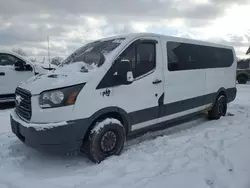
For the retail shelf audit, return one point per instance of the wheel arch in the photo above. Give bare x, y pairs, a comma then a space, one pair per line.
113, 112
221, 91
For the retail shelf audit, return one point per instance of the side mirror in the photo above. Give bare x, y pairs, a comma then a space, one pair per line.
19, 66
124, 72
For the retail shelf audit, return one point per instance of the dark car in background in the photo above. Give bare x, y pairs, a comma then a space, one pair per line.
243, 71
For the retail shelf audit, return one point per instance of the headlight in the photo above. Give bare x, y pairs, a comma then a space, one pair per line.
60, 97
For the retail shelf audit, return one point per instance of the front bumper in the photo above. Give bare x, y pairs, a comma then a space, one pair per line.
54, 138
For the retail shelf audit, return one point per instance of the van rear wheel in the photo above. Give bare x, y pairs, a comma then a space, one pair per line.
107, 138
219, 109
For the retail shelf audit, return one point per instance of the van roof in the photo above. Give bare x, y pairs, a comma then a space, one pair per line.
168, 37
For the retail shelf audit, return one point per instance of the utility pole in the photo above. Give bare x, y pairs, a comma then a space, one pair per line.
248, 51
48, 50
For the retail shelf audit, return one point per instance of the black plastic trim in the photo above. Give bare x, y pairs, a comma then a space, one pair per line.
179, 106
166, 124
231, 94
125, 116
56, 140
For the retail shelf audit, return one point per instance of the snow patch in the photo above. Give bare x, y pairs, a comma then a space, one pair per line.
38, 127
7, 66
100, 125
76, 67
196, 154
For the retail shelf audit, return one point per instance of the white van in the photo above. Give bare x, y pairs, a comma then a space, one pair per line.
13, 70
112, 87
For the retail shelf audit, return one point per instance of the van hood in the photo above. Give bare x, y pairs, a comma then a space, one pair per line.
61, 77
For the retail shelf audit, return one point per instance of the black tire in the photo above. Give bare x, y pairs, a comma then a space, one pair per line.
107, 138
219, 109
242, 79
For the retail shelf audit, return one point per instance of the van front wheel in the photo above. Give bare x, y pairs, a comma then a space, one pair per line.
107, 138
219, 109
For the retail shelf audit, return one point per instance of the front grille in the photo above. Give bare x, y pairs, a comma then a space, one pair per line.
23, 103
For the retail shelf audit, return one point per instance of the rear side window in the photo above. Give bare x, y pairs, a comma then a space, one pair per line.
184, 56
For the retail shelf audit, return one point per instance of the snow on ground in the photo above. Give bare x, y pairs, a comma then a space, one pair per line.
198, 154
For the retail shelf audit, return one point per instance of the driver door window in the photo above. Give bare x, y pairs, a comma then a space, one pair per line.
142, 56
145, 59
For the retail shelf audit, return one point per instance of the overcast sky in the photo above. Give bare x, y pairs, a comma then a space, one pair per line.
70, 23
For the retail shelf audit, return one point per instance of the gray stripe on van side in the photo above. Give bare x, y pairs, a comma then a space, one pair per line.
152, 113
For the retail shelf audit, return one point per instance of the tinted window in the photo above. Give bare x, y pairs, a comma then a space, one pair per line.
183, 56
6, 59
145, 59
129, 54
142, 57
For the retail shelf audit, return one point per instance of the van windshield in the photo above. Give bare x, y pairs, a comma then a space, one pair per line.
93, 54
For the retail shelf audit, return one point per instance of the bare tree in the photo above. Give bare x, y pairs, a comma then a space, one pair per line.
243, 63
56, 60
33, 60
19, 51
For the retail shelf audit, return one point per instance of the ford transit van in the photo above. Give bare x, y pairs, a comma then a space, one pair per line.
112, 87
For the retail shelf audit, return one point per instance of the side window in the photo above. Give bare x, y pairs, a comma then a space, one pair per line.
173, 60
142, 56
145, 59
129, 54
183, 56
6, 59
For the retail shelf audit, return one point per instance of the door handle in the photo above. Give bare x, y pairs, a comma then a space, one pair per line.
2, 73
157, 81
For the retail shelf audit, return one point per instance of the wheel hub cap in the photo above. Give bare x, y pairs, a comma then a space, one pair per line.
221, 108
108, 141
